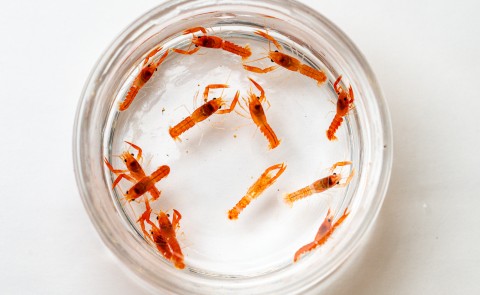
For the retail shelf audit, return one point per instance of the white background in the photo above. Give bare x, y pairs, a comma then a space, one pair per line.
426, 55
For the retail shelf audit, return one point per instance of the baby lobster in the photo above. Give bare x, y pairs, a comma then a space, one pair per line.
213, 42
320, 185
262, 183
286, 61
142, 78
344, 105
146, 183
136, 172
324, 232
203, 112
258, 115
164, 235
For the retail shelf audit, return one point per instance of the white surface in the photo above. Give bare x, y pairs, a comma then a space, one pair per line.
426, 57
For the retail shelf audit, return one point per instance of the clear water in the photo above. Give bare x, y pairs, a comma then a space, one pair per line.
220, 158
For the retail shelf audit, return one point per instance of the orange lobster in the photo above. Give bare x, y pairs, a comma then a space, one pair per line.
262, 183
146, 183
136, 172
324, 232
258, 115
321, 185
142, 78
203, 112
164, 235
213, 42
286, 61
344, 105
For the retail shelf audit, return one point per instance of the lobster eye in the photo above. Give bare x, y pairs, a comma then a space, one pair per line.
338, 182
168, 215
345, 99
334, 173
276, 50
125, 160
329, 220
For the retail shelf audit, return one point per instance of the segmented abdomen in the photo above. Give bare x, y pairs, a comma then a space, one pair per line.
308, 247
337, 121
129, 98
244, 52
160, 173
317, 75
298, 195
270, 135
235, 211
177, 255
178, 259
181, 127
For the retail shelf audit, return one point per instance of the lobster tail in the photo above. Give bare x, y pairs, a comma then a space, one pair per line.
307, 248
129, 98
247, 53
177, 255
270, 135
160, 173
242, 204
244, 52
178, 261
316, 75
295, 196
181, 127
337, 121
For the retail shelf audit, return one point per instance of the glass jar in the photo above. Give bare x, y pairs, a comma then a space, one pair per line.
217, 161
